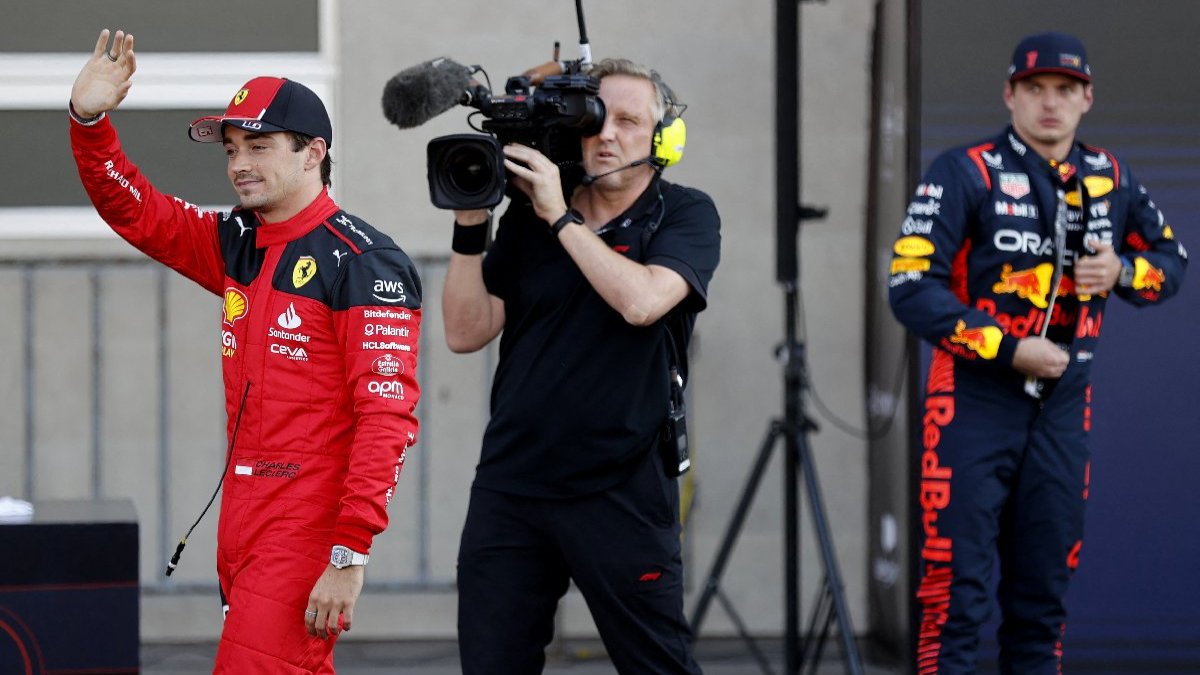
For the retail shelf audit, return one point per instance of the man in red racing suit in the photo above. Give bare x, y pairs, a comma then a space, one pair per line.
318, 342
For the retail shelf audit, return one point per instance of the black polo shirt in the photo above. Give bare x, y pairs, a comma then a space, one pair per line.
579, 394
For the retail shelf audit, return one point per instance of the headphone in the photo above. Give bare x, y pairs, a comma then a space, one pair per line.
670, 134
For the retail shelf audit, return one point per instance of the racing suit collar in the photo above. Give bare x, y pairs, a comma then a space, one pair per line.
1034, 162
311, 216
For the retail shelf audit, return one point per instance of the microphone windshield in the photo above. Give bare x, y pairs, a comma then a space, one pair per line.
417, 94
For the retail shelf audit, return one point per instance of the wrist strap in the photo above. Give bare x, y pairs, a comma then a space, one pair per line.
571, 216
470, 239
85, 121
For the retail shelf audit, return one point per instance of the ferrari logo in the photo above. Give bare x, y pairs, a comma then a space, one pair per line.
240, 96
304, 271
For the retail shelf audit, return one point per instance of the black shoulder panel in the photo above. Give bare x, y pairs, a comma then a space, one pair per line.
236, 231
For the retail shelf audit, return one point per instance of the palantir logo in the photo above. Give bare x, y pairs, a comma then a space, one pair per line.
289, 319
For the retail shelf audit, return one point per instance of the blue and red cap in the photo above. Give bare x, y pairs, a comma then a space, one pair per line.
268, 104
1050, 53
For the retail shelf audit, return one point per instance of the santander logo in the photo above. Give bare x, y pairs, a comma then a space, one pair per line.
289, 319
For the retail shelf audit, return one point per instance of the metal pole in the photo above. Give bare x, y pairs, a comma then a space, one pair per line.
787, 207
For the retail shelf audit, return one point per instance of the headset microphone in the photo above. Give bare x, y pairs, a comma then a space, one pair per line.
588, 179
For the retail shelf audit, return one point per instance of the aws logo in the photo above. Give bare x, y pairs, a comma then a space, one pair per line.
236, 305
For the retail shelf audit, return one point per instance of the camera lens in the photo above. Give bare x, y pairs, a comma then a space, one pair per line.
468, 170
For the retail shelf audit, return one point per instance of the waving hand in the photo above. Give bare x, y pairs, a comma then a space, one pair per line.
105, 79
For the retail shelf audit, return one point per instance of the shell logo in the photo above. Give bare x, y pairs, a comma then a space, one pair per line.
236, 305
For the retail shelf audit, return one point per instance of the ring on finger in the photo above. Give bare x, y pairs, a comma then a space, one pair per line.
309, 612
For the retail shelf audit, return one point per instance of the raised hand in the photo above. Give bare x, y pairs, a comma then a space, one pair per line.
534, 174
105, 79
1097, 273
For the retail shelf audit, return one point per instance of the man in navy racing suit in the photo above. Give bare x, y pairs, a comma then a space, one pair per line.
1004, 263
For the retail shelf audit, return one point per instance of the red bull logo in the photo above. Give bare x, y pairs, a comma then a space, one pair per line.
1146, 275
1032, 284
1067, 288
984, 340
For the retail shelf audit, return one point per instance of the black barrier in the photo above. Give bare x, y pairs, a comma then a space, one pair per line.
69, 589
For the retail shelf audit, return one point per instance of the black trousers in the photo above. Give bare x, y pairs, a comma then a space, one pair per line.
620, 546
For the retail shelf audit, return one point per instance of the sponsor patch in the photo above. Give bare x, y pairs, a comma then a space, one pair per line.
1015, 185
913, 247
236, 305
1098, 186
304, 271
387, 365
386, 290
910, 265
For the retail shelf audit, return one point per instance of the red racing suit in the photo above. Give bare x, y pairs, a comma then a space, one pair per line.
318, 341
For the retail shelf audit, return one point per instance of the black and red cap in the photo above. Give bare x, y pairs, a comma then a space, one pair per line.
267, 104
1050, 53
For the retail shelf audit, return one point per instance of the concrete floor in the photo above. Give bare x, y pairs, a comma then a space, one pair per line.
717, 657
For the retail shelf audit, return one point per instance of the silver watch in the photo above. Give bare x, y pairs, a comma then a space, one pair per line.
342, 557
1125, 278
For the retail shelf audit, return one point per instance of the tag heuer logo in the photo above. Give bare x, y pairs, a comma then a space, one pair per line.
1015, 185
304, 271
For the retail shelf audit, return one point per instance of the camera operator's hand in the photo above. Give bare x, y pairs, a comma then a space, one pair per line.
471, 217
534, 174
104, 80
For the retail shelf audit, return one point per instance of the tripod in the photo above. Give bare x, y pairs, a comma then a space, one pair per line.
794, 427
831, 602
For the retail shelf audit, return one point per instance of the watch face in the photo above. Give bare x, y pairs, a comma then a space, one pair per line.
340, 557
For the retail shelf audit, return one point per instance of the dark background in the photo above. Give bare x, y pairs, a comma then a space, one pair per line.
1135, 599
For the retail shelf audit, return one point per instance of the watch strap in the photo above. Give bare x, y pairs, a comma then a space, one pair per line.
571, 216
1125, 278
342, 557
85, 121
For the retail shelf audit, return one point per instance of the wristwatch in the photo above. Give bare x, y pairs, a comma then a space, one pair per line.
1125, 279
342, 557
571, 216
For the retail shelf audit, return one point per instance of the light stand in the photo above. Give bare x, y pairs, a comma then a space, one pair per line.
794, 427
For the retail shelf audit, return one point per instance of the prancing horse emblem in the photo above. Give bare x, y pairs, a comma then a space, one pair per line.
304, 271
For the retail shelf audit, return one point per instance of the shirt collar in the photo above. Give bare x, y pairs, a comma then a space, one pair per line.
270, 234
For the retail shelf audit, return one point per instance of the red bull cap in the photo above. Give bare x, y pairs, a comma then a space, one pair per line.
1050, 53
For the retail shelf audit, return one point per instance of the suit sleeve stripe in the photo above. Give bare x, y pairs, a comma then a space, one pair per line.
341, 236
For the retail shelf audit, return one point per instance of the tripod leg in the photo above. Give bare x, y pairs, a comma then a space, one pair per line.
763, 663
713, 581
822, 613
833, 576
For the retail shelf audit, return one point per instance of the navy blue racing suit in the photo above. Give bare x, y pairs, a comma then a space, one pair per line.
984, 256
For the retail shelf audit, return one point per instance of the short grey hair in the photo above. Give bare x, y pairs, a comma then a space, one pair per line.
664, 99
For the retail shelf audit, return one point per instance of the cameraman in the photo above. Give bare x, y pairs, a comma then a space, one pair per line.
597, 298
